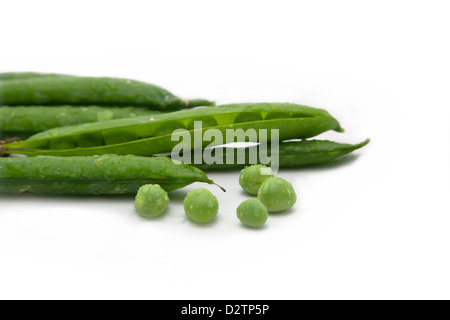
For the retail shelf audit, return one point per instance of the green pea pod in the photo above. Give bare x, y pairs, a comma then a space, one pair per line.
34, 119
292, 154
8, 76
107, 174
146, 136
68, 90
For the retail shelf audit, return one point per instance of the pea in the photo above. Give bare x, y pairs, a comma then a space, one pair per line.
252, 177
201, 206
206, 122
119, 136
168, 128
277, 194
105, 115
248, 117
89, 140
252, 213
151, 200
277, 115
61, 144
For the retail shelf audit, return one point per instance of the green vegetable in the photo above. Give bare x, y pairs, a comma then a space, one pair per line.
292, 154
151, 200
201, 206
8, 76
277, 194
252, 213
252, 177
146, 136
108, 174
90, 91
34, 119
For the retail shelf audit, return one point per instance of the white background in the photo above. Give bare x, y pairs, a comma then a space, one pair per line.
373, 227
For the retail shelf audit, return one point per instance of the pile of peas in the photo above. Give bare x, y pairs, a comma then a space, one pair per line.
201, 206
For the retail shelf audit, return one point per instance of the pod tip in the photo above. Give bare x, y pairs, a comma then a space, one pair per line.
200, 103
364, 143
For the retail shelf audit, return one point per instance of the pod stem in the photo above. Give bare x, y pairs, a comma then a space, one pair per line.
6, 141
10, 140
221, 188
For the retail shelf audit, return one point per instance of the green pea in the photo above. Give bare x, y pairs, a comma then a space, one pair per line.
252, 213
206, 123
61, 144
168, 128
201, 206
151, 200
253, 177
277, 194
90, 140
248, 117
277, 115
119, 136
105, 115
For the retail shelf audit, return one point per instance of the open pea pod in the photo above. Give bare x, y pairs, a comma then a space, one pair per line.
149, 135
107, 174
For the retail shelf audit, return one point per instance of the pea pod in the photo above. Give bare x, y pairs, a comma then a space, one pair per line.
146, 136
107, 174
68, 90
291, 154
34, 119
